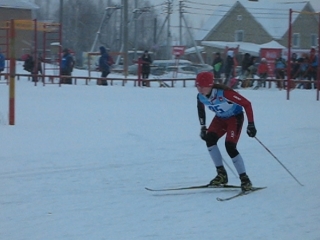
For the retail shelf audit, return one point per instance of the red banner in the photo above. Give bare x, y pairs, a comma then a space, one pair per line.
271, 54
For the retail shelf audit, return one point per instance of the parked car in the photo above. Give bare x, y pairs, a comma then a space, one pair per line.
203, 67
182, 69
172, 62
159, 67
190, 69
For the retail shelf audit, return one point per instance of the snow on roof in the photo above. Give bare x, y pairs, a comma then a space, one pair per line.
273, 16
193, 50
244, 47
18, 4
272, 44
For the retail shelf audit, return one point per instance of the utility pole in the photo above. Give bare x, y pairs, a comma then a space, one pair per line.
161, 29
61, 12
180, 22
136, 14
125, 37
194, 42
107, 15
135, 28
155, 37
169, 37
121, 25
61, 17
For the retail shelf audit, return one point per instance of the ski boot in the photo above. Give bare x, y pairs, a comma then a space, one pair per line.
246, 184
221, 178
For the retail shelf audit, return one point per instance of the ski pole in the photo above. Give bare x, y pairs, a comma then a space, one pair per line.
278, 161
225, 162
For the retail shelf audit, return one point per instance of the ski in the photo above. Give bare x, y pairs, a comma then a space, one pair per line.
191, 187
242, 193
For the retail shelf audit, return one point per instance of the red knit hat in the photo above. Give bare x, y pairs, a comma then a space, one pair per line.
204, 79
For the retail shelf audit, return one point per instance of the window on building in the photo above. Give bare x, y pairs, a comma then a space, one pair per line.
239, 36
296, 40
314, 39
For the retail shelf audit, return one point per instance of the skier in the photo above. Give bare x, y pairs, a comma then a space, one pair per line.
228, 106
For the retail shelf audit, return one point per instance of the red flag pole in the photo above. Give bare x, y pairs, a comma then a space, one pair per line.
289, 56
12, 74
318, 67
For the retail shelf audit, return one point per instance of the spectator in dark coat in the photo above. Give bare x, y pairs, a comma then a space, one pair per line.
145, 70
105, 61
280, 70
37, 68
245, 64
294, 66
146, 61
245, 70
280, 67
2, 62
302, 72
229, 67
28, 62
66, 67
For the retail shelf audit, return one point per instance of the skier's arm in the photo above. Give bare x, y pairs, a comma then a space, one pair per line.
235, 97
201, 112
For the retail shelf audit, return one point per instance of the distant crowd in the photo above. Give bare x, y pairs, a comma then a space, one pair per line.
226, 71
303, 67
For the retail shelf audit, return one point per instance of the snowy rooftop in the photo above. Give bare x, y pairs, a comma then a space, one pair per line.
248, 47
273, 17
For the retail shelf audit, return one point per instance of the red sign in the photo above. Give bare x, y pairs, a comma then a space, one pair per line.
178, 50
271, 54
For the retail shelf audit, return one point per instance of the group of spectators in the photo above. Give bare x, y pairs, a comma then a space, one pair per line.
249, 67
302, 68
34, 66
67, 64
305, 68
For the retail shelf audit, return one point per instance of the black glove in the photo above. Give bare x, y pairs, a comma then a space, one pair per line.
203, 133
251, 129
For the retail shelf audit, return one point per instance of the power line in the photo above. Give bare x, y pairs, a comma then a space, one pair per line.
244, 17
275, 12
246, 7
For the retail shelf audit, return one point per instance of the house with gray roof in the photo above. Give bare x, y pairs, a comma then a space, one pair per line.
259, 23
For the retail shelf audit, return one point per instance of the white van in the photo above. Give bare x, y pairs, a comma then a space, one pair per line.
159, 67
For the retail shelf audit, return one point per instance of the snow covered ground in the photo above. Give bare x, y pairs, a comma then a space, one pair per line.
77, 161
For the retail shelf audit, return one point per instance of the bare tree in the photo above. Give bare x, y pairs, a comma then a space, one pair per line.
81, 21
